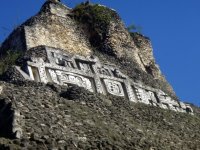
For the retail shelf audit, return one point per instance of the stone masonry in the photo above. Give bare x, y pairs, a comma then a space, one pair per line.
64, 68
65, 93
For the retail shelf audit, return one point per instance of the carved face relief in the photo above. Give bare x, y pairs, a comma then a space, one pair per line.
114, 87
75, 79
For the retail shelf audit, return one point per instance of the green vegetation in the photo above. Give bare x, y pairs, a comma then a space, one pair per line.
97, 18
134, 28
97, 14
8, 59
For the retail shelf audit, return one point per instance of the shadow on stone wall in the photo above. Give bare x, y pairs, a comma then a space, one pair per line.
6, 118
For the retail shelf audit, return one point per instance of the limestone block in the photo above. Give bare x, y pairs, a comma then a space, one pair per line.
16, 125
152, 96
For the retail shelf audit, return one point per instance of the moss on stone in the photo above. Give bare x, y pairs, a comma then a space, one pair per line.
97, 17
8, 59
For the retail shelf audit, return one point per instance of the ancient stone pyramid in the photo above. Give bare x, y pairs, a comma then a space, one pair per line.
59, 50
56, 48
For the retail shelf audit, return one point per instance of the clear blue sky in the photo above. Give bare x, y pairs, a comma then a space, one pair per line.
172, 25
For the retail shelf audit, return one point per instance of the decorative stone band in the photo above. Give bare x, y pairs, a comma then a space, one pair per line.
88, 72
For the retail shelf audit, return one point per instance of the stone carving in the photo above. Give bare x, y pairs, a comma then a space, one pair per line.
153, 98
114, 87
85, 67
66, 78
103, 70
88, 72
145, 96
166, 100
118, 74
53, 76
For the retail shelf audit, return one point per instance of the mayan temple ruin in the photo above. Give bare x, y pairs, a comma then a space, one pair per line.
66, 69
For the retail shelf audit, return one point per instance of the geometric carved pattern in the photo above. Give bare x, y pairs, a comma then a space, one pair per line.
81, 81
76, 79
85, 67
143, 95
89, 73
114, 87
53, 76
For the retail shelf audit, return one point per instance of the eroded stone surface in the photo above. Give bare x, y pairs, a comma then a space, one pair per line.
52, 26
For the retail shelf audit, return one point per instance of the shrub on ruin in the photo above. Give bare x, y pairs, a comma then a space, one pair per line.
8, 59
97, 17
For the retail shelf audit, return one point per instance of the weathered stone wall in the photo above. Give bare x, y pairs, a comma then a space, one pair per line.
57, 29
146, 56
52, 116
33, 105
52, 26
121, 43
137, 48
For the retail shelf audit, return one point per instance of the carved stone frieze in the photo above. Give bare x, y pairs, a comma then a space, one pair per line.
88, 72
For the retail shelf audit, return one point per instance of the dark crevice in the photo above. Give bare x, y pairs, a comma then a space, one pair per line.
6, 118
